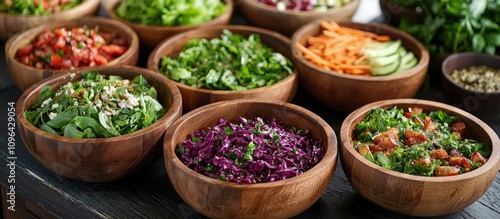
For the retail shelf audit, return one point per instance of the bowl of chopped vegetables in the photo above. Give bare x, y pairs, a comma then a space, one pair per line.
99, 125
227, 62
471, 81
346, 65
156, 20
69, 46
250, 158
18, 16
293, 14
418, 157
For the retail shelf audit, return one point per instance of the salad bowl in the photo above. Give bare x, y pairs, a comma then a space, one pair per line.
99, 159
25, 75
11, 24
193, 97
150, 35
260, 15
347, 92
417, 195
216, 198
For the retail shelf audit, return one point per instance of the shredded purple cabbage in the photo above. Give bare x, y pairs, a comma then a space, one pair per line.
253, 151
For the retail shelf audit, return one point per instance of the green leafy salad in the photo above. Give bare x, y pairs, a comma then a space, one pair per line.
41, 7
230, 62
170, 12
96, 107
418, 143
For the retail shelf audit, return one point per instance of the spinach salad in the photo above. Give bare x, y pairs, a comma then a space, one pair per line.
96, 106
230, 62
418, 143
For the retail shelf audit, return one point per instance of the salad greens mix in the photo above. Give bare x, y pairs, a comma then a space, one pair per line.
418, 143
252, 150
96, 107
231, 62
455, 25
170, 12
40, 7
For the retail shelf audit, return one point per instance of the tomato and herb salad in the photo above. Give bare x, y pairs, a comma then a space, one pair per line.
228, 62
65, 48
96, 106
36, 7
170, 12
252, 150
418, 143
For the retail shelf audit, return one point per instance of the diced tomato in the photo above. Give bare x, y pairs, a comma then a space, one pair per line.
56, 61
424, 161
464, 162
447, 170
25, 51
412, 111
386, 141
61, 32
439, 153
454, 160
414, 137
458, 127
100, 60
429, 124
476, 156
114, 49
25, 59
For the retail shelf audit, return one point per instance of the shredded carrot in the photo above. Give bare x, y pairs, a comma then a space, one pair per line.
339, 48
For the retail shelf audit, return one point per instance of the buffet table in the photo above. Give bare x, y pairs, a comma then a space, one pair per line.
40, 193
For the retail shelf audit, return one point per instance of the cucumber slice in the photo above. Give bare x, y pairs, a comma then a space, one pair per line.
385, 60
381, 49
387, 69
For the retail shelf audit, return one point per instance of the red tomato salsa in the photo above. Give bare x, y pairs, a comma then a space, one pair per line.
72, 48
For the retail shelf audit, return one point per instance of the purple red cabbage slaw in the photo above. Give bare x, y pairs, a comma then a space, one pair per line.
251, 151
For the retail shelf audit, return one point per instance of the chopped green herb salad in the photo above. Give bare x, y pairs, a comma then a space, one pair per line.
231, 62
418, 143
96, 107
39, 7
170, 12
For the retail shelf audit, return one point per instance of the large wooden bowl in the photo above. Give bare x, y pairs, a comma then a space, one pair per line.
418, 195
287, 22
220, 199
24, 76
11, 24
99, 159
344, 92
150, 36
484, 105
192, 98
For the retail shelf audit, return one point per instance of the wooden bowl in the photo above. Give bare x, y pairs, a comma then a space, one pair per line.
11, 24
99, 159
24, 76
150, 36
265, 16
344, 92
418, 195
484, 105
192, 98
394, 12
221, 199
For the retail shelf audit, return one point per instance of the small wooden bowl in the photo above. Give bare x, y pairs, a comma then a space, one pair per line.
192, 98
99, 159
11, 24
24, 76
418, 195
220, 199
484, 105
150, 36
265, 16
344, 92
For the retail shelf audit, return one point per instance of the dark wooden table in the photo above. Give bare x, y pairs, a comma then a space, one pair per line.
149, 194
